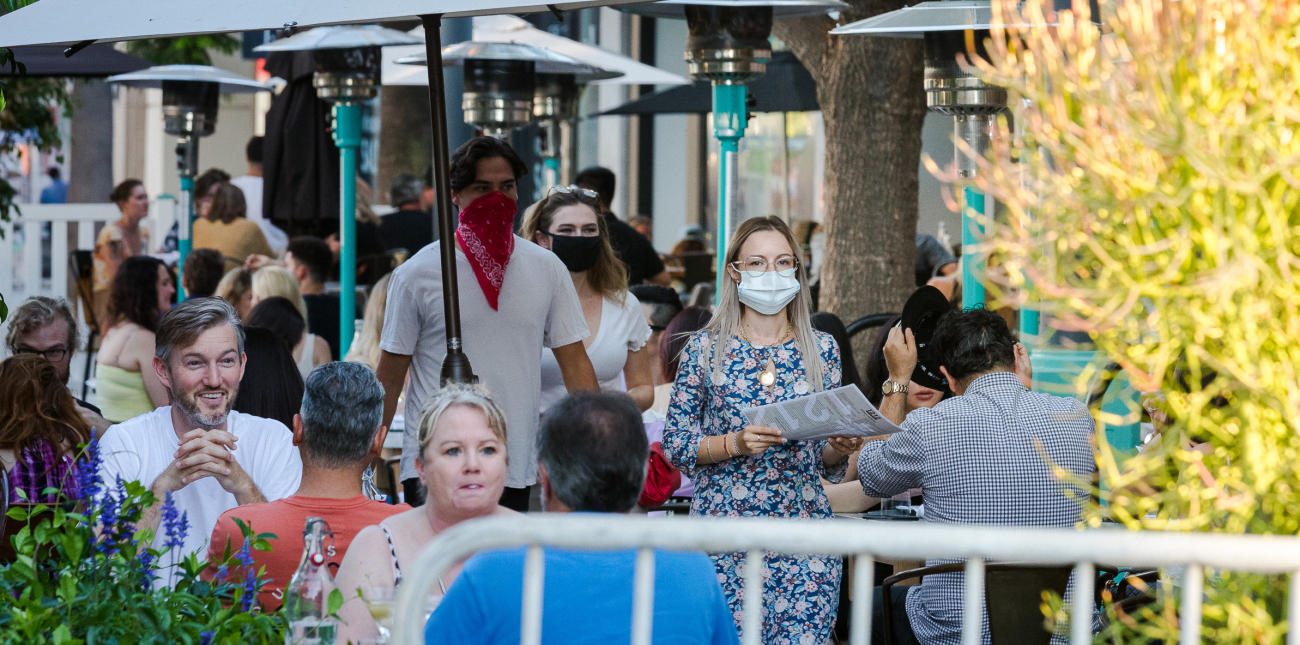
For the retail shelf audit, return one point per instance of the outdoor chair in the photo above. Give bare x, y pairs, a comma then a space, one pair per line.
1012, 595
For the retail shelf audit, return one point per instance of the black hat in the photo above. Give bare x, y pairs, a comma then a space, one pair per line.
921, 314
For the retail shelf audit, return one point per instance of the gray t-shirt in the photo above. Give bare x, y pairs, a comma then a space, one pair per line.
538, 308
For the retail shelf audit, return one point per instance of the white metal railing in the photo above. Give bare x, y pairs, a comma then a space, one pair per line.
23, 254
22, 251
867, 541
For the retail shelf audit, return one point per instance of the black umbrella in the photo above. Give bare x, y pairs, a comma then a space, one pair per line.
786, 87
300, 161
90, 62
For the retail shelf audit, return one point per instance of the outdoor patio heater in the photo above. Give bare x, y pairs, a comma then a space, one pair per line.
728, 46
508, 85
555, 97
347, 74
190, 98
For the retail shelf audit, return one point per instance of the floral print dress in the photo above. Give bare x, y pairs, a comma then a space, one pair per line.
800, 593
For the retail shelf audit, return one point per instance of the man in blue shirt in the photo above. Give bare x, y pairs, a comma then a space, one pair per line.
592, 458
57, 191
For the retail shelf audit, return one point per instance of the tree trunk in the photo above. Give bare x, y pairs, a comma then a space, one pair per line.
405, 136
872, 104
90, 176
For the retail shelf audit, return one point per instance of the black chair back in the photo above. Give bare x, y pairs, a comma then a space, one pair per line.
1013, 595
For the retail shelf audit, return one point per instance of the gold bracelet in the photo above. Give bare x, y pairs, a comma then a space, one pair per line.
727, 447
708, 452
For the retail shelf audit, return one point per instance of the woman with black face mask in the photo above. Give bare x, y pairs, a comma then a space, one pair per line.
568, 223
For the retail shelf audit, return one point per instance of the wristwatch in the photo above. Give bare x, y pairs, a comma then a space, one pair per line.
893, 387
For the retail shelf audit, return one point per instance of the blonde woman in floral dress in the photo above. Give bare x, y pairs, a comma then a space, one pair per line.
760, 348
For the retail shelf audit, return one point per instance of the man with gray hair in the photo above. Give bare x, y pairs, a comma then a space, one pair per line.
45, 326
338, 433
188, 449
592, 454
411, 227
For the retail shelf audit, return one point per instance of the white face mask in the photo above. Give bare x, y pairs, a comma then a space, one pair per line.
770, 292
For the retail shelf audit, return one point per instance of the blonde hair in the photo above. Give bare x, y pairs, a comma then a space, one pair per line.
454, 394
234, 285
366, 348
272, 281
725, 324
607, 276
364, 196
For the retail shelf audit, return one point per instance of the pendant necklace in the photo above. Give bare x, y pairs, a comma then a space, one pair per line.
768, 377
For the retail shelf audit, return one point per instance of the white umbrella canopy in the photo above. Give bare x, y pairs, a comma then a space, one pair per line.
510, 29
56, 22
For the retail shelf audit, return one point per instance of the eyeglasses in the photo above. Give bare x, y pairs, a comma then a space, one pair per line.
53, 354
756, 265
574, 190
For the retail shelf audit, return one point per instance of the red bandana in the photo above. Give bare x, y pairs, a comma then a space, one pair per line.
486, 235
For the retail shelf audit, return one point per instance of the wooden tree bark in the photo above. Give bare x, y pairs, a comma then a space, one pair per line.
90, 144
873, 105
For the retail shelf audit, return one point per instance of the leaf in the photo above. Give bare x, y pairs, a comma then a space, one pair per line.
333, 602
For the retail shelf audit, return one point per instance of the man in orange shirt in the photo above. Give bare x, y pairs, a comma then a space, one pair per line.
337, 432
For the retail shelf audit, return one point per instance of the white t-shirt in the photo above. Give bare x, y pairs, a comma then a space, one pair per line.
252, 188
140, 449
538, 308
622, 329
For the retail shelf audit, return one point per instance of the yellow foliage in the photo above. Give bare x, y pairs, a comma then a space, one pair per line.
1152, 198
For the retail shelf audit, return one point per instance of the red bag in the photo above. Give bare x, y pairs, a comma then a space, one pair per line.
661, 479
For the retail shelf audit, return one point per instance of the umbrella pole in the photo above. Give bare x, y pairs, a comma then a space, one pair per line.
455, 367
187, 155
347, 136
975, 130
729, 122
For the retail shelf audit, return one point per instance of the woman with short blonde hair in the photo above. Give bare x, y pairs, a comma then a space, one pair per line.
462, 463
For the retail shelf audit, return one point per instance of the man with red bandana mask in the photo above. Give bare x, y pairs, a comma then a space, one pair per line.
521, 300
205, 456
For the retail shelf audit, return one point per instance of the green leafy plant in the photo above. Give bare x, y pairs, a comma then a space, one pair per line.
1152, 200
83, 574
183, 50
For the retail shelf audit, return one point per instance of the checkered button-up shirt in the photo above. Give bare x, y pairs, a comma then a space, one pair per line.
981, 458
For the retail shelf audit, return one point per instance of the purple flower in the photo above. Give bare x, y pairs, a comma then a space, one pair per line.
175, 524
144, 562
110, 521
222, 573
88, 478
205, 637
245, 557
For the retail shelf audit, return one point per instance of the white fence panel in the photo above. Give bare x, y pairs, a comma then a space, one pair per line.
25, 252
865, 540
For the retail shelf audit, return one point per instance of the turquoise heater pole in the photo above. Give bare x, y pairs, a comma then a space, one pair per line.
975, 128
730, 119
347, 136
187, 163
184, 220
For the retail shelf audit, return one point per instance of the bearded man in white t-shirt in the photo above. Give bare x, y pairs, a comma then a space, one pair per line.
207, 456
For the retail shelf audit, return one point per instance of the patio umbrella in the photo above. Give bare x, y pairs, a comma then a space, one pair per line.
54, 22
786, 87
91, 62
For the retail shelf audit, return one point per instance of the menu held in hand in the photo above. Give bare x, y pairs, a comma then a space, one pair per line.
843, 411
